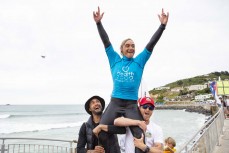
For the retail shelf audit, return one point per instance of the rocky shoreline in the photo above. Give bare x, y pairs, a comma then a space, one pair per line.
206, 110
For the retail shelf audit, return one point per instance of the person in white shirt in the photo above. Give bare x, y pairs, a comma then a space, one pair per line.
153, 132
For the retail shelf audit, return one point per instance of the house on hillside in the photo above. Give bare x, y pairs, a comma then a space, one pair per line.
197, 87
177, 89
203, 97
162, 88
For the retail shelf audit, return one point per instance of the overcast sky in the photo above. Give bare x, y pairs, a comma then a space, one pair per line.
195, 42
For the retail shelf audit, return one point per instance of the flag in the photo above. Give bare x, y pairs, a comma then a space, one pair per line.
213, 88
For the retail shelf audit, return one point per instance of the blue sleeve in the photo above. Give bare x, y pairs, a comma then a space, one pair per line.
112, 55
143, 57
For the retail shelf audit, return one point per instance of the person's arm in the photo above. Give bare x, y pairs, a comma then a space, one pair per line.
154, 39
122, 121
103, 35
108, 128
156, 148
81, 143
167, 148
98, 149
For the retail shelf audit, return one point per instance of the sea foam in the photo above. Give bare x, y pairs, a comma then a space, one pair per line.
2, 116
34, 127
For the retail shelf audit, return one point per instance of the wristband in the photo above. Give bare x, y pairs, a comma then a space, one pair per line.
147, 149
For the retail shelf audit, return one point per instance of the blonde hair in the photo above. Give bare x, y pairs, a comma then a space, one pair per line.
123, 43
170, 140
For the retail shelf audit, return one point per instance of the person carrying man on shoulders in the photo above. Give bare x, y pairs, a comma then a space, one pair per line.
153, 132
94, 106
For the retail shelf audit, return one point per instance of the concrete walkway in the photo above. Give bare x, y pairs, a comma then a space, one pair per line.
224, 139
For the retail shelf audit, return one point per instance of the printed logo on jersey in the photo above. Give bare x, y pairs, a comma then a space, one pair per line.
125, 75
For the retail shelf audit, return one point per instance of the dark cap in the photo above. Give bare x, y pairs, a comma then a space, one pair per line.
86, 106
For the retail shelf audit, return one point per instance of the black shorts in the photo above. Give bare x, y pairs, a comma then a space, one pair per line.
120, 107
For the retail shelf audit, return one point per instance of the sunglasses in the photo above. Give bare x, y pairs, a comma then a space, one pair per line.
148, 106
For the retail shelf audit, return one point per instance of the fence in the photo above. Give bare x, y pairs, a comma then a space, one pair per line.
36, 145
207, 137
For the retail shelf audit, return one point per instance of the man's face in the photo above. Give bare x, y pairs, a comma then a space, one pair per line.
146, 111
95, 107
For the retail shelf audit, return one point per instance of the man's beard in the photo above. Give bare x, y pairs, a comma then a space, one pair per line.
98, 113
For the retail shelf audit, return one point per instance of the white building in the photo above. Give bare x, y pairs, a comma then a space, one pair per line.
197, 87
177, 89
203, 97
162, 88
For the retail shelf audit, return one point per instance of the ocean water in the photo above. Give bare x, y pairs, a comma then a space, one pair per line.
63, 122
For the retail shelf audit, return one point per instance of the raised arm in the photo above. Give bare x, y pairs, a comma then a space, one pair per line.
154, 39
103, 35
122, 121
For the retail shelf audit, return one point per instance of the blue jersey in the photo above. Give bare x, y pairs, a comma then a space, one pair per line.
126, 73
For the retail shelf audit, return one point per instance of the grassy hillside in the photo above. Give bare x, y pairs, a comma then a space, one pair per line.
201, 79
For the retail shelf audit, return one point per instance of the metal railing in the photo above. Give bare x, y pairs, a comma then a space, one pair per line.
207, 137
36, 145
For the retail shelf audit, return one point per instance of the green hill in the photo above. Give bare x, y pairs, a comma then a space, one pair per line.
197, 80
202, 79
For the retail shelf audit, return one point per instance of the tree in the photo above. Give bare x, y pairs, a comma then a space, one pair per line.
217, 73
226, 73
160, 98
180, 83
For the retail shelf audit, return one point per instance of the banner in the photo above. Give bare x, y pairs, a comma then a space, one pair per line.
223, 87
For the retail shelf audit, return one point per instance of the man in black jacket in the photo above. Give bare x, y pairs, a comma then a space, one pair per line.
94, 106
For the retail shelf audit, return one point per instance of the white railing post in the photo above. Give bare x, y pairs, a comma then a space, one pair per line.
217, 132
3, 148
71, 149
